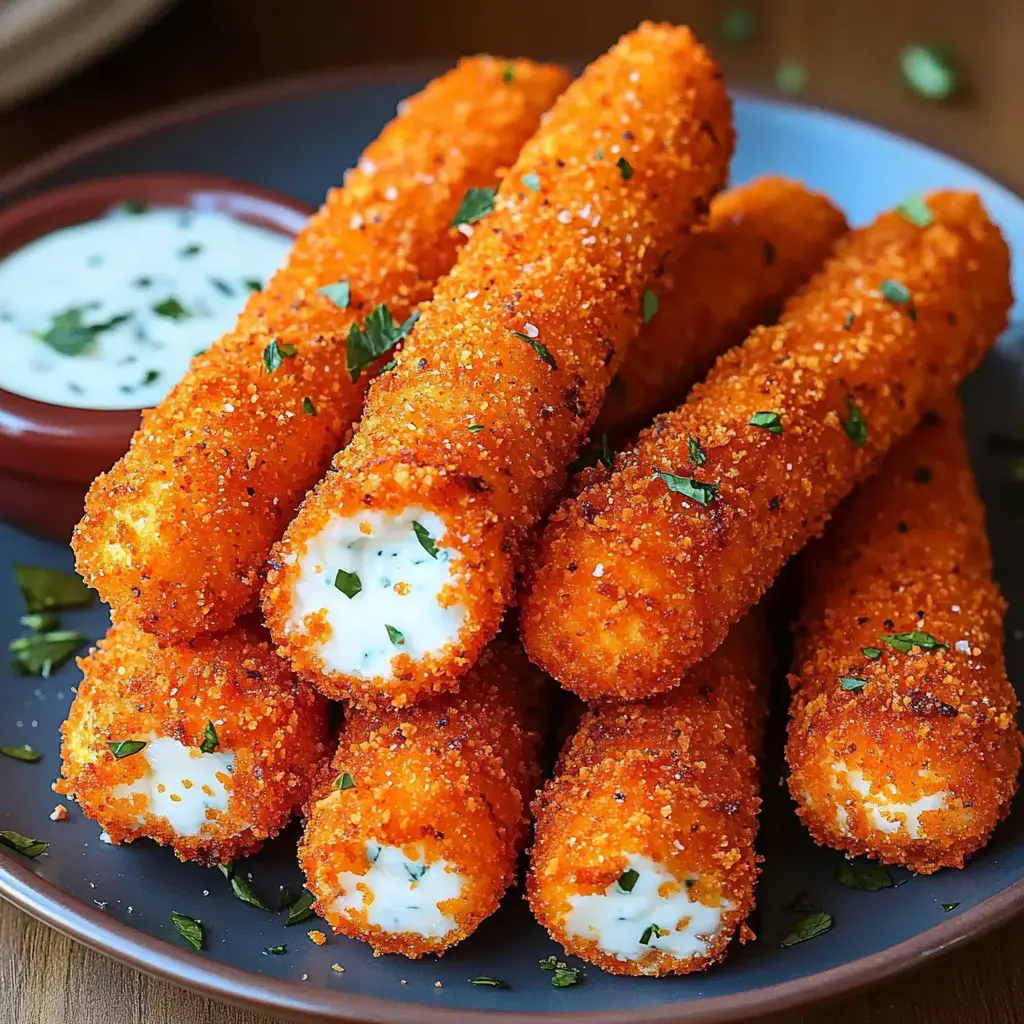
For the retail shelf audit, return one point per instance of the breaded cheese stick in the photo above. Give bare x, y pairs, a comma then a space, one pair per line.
174, 537
903, 742
640, 575
465, 443
206, 747
643, 859
414, 829
761, 242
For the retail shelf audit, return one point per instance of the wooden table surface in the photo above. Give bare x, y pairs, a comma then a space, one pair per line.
849, 50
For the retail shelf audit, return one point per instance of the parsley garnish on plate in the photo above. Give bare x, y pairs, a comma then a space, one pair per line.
39, 622
41, 653
348, 583
915, 209
339, 293
475, 205
69, 335
865, 877
856, 426
537, 347
275, 353
189, 929
698, 490
426, 541
23, 753
395, 635
769, 421
244, 891
343, 781
625, 168
125, 748
947, 907
45, 589
210, 741
628, 879
906, 642
25, 845
852, 683
275, 950
650, 306
562, 975
171, 308
809, 927
378, 334
489, 982
301, 910
928, 71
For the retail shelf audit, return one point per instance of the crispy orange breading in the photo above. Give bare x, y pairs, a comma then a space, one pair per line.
229, 698
917, 764
506, 370
761, 242
654, 800
174, 537
641, 574
441, 789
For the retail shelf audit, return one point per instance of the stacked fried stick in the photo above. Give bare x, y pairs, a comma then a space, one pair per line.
578, 288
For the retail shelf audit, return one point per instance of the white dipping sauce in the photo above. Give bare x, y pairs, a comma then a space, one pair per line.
107, 314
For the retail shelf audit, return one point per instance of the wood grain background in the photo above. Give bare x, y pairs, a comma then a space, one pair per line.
850, 51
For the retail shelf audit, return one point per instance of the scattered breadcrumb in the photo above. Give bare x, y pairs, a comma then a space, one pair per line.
60, 812
317, 937
338, 968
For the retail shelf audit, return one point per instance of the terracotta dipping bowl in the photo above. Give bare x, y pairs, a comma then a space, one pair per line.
49, 454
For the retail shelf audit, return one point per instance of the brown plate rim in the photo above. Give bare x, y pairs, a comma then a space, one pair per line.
51, 905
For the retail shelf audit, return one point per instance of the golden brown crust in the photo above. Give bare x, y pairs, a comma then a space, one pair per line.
674, 779
907, 552
674, 574
174, 537
275, 725
625, 162
761, 242
450, 776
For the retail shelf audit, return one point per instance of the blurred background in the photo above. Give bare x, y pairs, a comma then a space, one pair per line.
948, 72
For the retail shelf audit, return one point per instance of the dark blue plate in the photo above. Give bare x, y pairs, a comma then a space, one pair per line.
297, 138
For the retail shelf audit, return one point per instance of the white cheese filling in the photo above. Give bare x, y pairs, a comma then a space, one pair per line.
884, 812
180, 783
395, 567
399, 894
659, 912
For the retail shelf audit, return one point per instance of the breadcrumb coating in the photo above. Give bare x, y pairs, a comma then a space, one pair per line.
227, 701
636, 582
521, 340
761, 242
175, 536
446, 783
917, 764
669, 785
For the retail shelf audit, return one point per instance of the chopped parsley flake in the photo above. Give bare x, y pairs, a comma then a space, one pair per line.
628, 879
769, 421
210, 741
476, 204
562, 975
395, 635
275, 352
852, 683
865, 877
537, 347
426, 541
906, 642
848, 322
308, 407
41, 653
390, 365
915, 209
301, 910
244, 891
253, 284
489, 982
592, 456
378, 334
343, 781
339, 293
698, 490
871, 653
189, 929
475, 428
532, 182
191, 250
348, 583
895, 292
652, 931
625, 168
809, 927
68, 335
856, 426
508, 73
134, 207
275, 950
150, 376
45, 589
947, 907
25, 845
928, 71
650, 306
171, 308
125, 748
23, 753
697, 454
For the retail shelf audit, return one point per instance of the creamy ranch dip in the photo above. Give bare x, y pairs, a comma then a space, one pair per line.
107, 314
